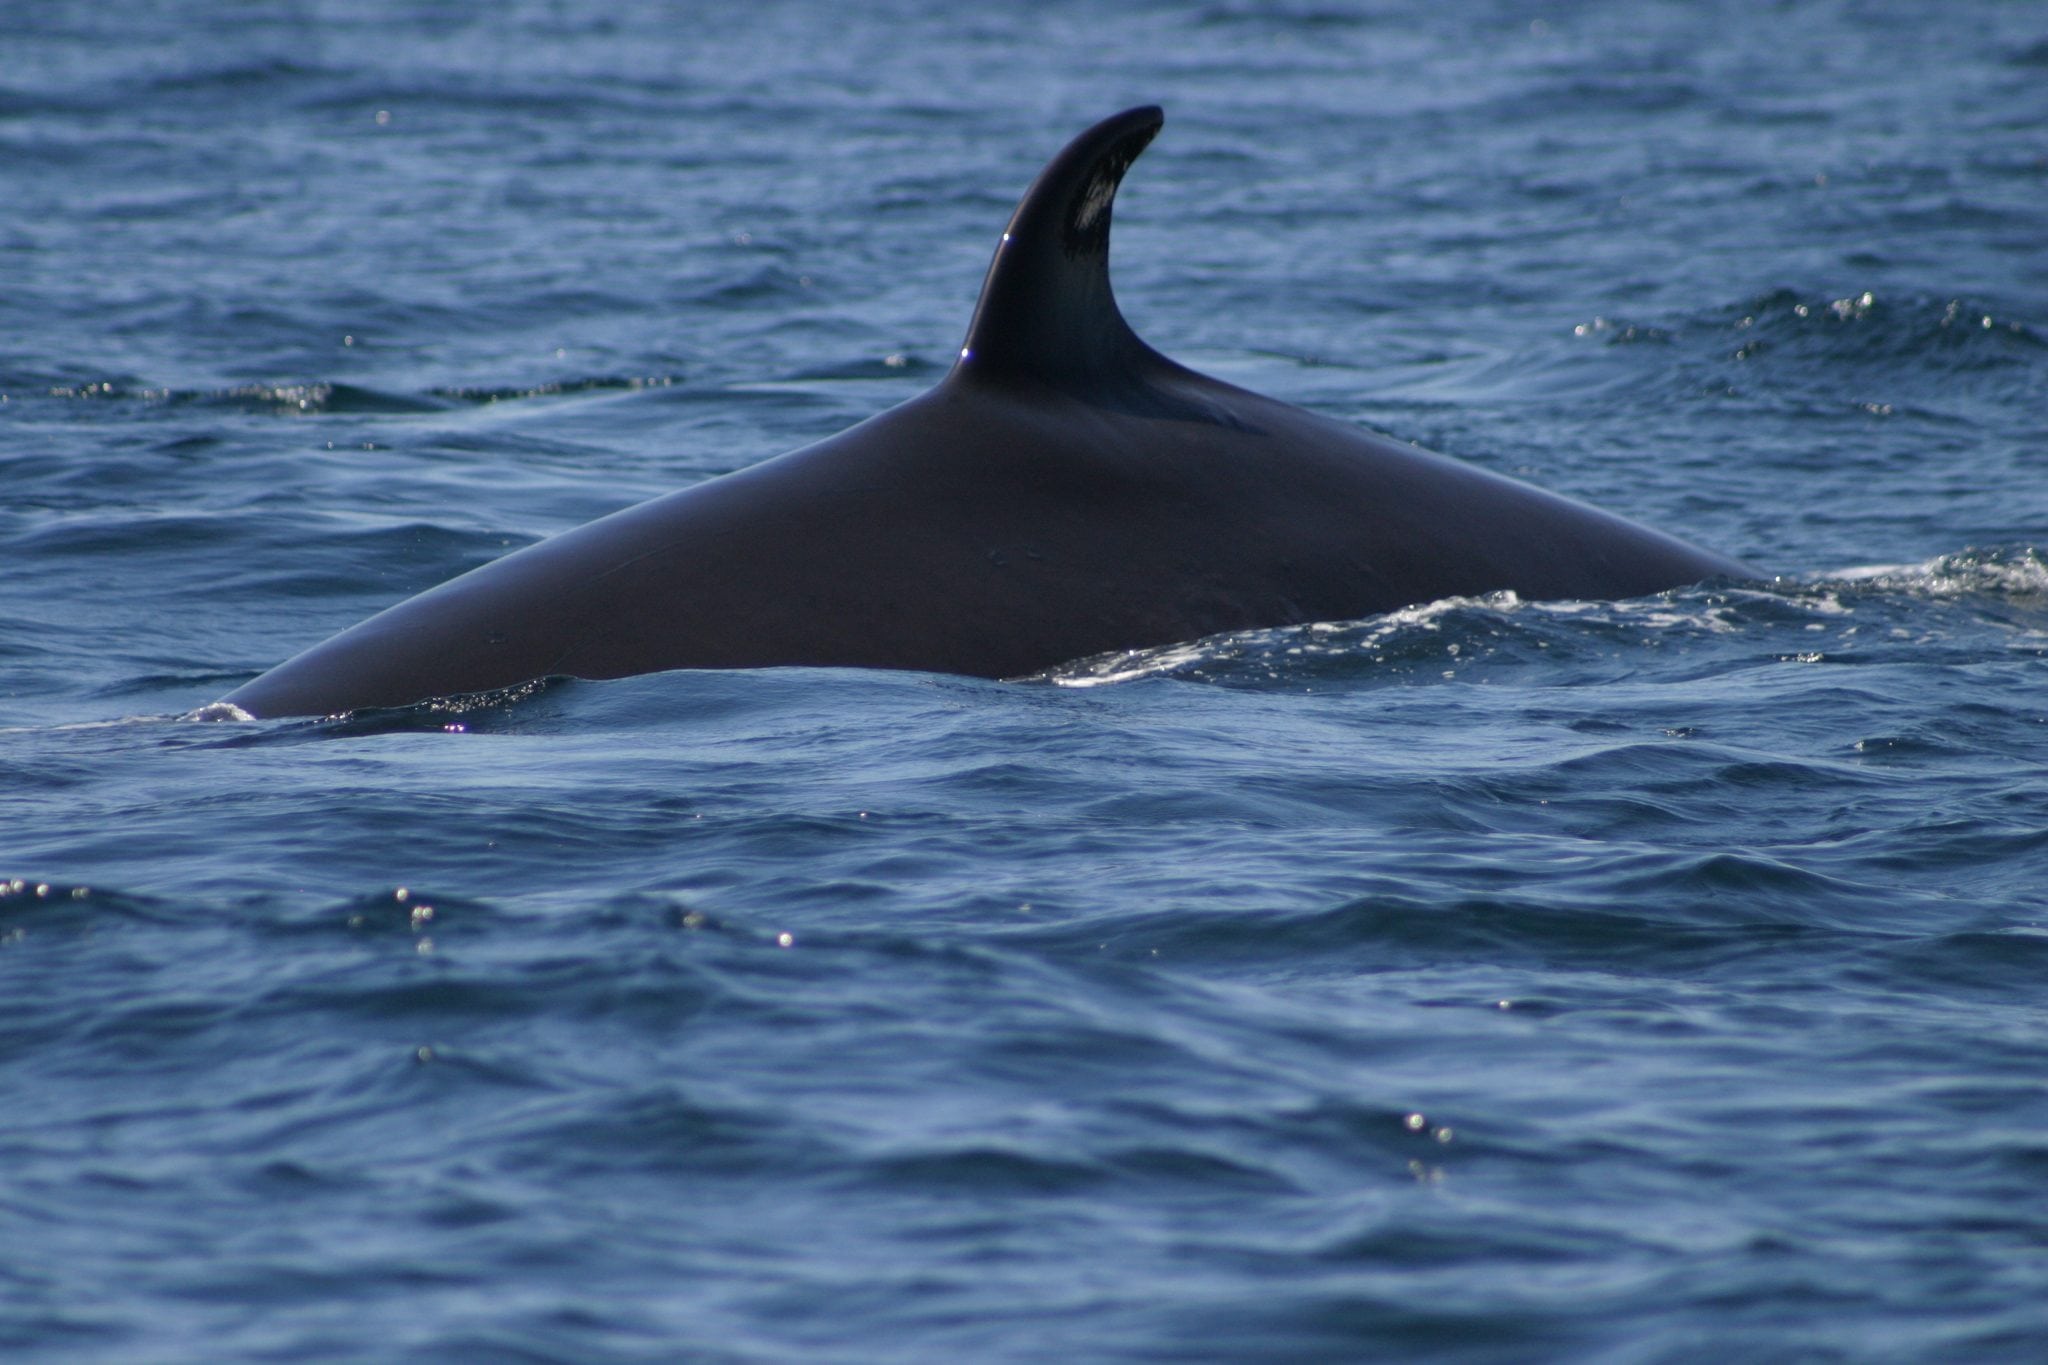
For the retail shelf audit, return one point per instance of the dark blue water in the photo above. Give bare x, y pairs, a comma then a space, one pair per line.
1643, 981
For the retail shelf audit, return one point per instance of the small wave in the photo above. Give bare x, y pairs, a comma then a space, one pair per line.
1431, 639
1865, 327
1683, 914
769, 284
2020, 572
1997, 963
1834, 617
1862, 327
1281, 19
895, 365
484, 394
282, 74
30, 905
21, 889
985, 1169
1378, 634
453, 715
1633, 94
1882, 354
322, 397
108, 390
288, 399
1884, 357
311, 399
403, 911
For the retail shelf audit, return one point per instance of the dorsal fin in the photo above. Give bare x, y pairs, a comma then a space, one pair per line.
1046, 309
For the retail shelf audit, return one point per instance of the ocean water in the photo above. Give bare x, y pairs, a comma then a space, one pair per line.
1656, 980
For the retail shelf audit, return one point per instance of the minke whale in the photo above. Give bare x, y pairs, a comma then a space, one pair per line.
1064, 491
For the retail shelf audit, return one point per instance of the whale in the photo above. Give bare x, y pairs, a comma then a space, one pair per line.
1064, 491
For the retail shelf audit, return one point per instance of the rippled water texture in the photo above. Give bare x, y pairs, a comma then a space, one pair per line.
1494, 981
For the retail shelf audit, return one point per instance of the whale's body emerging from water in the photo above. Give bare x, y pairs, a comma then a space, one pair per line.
1065, 491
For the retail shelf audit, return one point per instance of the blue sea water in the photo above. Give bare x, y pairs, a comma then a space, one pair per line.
1641, 981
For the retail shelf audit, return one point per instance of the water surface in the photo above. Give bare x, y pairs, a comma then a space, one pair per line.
1626, 981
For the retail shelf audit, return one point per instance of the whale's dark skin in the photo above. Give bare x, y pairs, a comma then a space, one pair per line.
1065, 491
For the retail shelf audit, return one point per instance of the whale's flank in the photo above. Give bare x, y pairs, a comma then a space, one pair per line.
1064, 491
